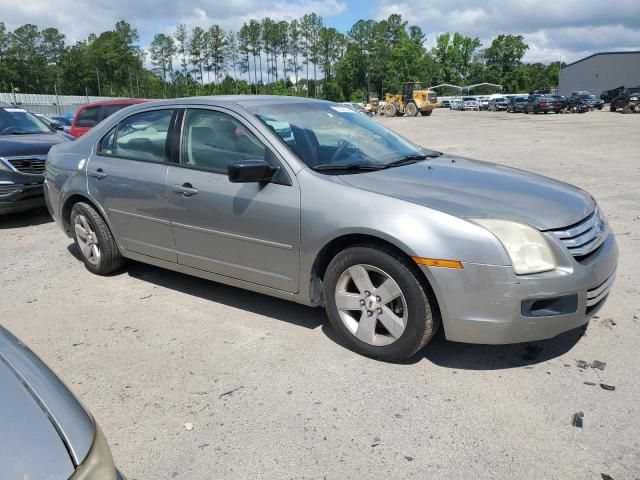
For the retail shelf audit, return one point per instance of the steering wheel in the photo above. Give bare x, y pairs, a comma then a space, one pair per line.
336, 155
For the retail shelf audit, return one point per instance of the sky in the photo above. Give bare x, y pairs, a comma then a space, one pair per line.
564, 30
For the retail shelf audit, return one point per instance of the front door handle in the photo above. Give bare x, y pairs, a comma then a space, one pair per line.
186, 189
99, 174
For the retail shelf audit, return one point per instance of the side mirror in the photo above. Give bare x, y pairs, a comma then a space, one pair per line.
57, 126
245, 171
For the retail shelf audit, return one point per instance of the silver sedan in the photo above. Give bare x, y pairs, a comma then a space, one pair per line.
309, 201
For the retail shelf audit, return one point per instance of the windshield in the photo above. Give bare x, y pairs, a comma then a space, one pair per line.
634, 90
468, 99
326, 135
16, 121
522, 99
63, 120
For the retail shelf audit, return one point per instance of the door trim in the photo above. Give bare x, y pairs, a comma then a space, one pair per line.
260, 241
137, 215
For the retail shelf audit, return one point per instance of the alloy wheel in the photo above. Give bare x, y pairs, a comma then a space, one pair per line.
371, 305
87, 240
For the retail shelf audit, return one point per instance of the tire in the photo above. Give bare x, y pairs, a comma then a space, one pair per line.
411, 109
636, 108
107, 259
626, 109
426, 113
526, 111
390, 110
419, 320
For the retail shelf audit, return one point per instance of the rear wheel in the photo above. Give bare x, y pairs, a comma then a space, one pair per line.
97, 246
411, 110
612, 108
376, 300
426, 113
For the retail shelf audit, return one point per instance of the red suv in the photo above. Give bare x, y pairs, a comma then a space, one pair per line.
89, 115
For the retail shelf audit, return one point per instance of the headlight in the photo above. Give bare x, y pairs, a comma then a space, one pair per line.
526, 246
634, 98
98, 465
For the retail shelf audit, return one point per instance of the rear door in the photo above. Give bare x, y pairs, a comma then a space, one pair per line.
127, 174
247, 231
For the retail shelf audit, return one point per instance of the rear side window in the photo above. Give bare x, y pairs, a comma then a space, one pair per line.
108, 110
142, 136
88, 117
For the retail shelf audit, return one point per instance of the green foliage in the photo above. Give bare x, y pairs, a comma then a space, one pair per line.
301, 57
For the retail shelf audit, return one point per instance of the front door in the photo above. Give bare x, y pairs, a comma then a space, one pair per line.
127, 177
247, 231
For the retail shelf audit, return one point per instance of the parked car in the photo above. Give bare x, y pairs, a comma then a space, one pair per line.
517, 104
445, 104
49, 122
628, 101
483, 103
562, 99
89, 115
457, 104
24, 143
46, 432
539, 104
470, 103
497, 104
64, 121
356, 107
609, 95
591, 100
300, 200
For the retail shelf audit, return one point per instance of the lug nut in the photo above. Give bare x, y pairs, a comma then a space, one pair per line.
361, 302
378, 299
367, 293
379, 310
369, 313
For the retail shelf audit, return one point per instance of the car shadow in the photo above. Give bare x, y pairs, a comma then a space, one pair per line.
439, 351
289, 312
29, 218
466, 356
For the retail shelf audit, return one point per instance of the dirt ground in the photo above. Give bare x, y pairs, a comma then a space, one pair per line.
270, 392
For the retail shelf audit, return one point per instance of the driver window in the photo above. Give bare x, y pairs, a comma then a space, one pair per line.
212, 140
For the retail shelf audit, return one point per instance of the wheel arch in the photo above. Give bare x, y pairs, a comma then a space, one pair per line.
342, 242
70, 201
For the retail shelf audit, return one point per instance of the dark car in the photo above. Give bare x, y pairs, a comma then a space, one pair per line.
608, 95
89, 115
497, 104
46, 432
540, 104
628, 101
24, 144
592, 100
560, 98
517, 104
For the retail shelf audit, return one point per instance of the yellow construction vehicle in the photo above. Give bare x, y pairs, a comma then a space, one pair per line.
372, 103
414, 100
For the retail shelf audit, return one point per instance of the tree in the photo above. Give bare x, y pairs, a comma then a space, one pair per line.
295, 37
505, 53
196, 48
162, 51
182, 48
218, 47
255, 40
244, 46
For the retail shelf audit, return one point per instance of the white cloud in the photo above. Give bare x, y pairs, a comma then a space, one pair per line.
560, 30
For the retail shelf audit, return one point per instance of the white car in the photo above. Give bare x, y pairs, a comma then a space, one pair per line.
470, 103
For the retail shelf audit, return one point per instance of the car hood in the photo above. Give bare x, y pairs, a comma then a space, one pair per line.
471, 188
32, 447
35, 144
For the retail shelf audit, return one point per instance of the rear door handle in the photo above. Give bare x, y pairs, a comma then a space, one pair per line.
99, 174
186, 189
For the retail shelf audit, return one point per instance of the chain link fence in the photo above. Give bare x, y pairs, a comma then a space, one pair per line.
50, 104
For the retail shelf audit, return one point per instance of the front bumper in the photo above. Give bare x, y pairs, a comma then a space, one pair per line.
484, 303
20, 192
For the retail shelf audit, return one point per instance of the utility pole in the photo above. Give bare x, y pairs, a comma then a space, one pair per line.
98, 77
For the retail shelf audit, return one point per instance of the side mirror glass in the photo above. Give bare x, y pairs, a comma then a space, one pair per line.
246, 171
57, 126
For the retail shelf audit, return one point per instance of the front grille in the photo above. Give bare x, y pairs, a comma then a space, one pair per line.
34, 165
584, 237
597, 294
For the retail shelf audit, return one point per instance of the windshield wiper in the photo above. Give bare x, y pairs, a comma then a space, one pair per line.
348, 166
409, 159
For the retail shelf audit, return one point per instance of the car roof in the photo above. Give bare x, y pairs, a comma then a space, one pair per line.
124, 101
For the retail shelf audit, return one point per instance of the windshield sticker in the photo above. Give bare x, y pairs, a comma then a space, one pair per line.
343, 110
15, 110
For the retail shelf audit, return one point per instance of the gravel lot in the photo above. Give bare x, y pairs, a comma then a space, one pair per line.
271, 394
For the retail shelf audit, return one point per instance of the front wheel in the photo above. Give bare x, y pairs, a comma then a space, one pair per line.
97, 246
376, 300
426, 113
411, 109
